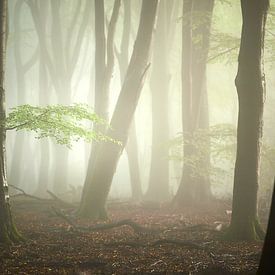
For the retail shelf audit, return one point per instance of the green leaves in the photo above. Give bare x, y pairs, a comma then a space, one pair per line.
220, 142
65, 124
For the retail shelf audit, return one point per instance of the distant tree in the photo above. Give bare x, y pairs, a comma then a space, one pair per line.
22, 67
158, 186
8, 232
250, 88
44, 98
267, 263
61, 49
196, 25
94, 198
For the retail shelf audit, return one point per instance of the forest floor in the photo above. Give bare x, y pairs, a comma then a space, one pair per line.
168, 242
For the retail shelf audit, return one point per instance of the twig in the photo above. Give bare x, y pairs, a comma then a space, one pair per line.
187, 243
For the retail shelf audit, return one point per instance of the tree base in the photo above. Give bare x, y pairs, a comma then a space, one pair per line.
244, 232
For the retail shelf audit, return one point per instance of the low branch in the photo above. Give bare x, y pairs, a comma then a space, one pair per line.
136, 227
26, 194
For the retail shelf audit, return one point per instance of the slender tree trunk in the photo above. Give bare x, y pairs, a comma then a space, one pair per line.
8, 232
267, 263
158, 187
132, 153
249, 83
44, 95
186, 92
96, 193
196, 32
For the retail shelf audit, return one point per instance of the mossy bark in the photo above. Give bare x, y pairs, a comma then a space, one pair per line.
249, 83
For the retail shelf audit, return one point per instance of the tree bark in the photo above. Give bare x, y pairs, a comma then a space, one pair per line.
249, 83
267, 263
132, 144
96, 193
8, 232
104, 66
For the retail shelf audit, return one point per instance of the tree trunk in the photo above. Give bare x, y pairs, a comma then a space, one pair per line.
158, 187
8, 232
194, 190
132, 153
249, 83
104, 66
267, 263
96, 193
132, 144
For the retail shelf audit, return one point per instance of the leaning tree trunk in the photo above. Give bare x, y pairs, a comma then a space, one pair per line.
96, 193
132, 143
8, 231
249, 83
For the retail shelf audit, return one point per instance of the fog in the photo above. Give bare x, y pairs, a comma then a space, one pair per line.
23, 87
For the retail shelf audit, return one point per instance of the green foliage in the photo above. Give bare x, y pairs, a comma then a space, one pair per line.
65, 124
220, 142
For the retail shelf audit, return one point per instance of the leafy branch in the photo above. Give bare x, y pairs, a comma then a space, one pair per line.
65, 124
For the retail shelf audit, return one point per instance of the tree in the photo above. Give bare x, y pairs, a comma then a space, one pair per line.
132, 144
267, 264
104, 66
8, 232
22, 68
61, 55
158, 187
96, 193
250, 89
196, 25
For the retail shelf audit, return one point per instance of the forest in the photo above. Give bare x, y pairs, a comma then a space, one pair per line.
137, 137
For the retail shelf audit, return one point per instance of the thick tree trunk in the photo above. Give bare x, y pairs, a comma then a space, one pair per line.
267, 263
194, 190
96, 193
8, 232
249, 83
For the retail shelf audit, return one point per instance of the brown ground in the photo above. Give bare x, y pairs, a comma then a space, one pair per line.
54, 247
